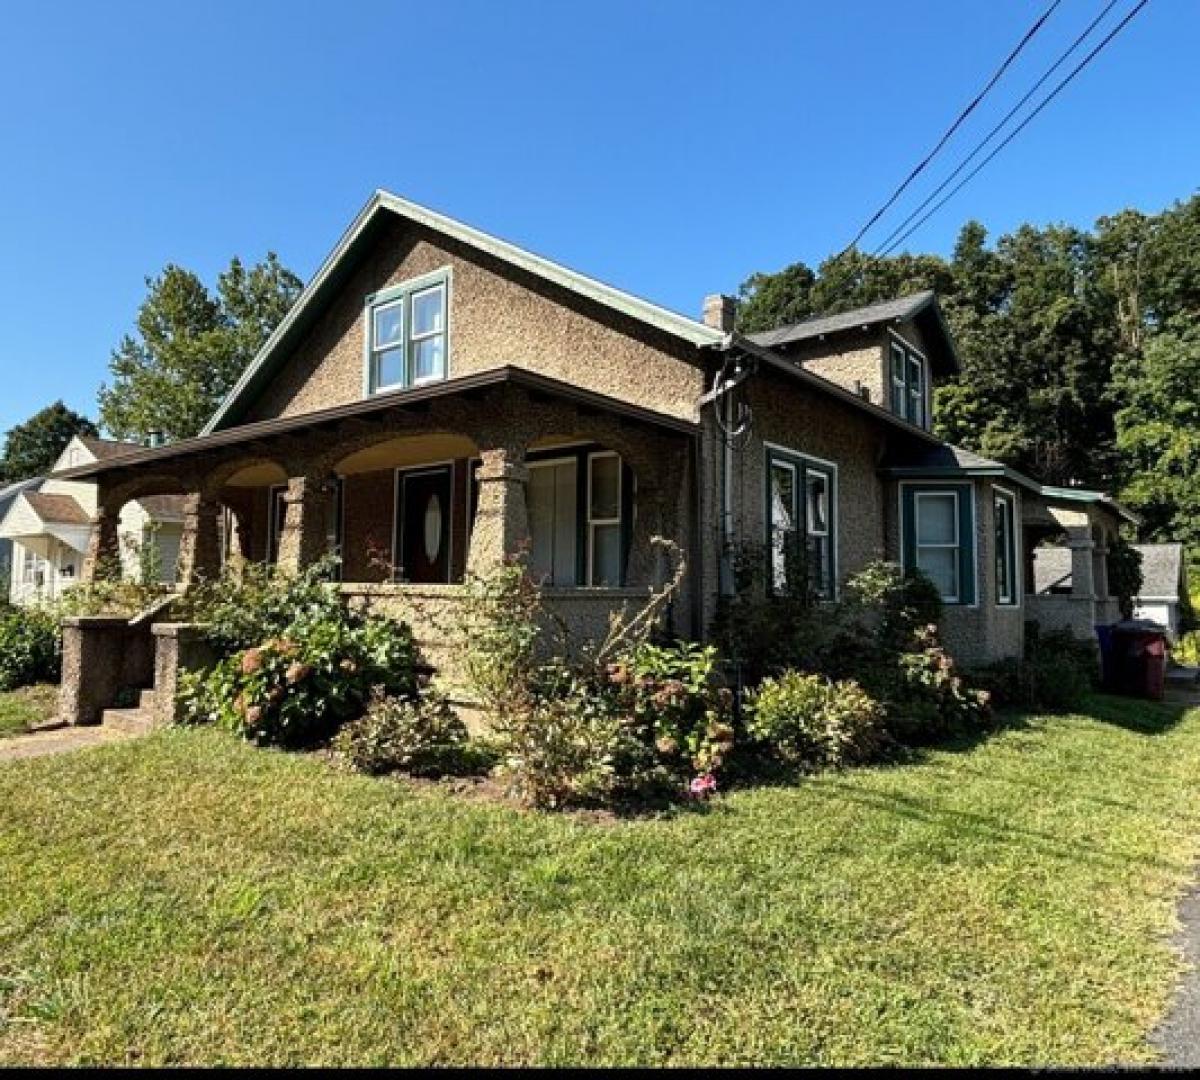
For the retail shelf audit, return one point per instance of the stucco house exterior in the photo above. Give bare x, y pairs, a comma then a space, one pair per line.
438, 398
48, 524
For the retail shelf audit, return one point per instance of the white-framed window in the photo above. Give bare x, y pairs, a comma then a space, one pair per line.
1007, 587
552, 498
910, 384
604, 518
938, 540
31, 569
802, 517
408, 331
278, 519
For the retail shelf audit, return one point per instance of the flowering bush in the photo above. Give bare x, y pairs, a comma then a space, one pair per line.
925, 695
808, 722
421, 736
296, 689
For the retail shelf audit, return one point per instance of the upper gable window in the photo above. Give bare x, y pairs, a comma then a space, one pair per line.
910, 385
407, 343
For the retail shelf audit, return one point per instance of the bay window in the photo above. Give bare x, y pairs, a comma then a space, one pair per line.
1006, 548
938, 537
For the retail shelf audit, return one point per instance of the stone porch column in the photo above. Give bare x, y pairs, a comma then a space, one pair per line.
502, 520
1100, 569
103, 555
200, 544
305, 529
1079, 541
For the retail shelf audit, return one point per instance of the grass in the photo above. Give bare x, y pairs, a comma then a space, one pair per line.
21, 709
188, 899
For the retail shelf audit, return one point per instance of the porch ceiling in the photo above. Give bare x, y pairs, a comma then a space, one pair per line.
379, 405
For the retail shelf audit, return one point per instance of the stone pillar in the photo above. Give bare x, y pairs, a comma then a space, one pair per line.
501, 521
103, 558
305, 533
1100, 568
1079, 540
200, 544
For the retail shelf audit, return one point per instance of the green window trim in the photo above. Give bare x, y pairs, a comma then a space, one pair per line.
965, 545
1004, 511
804, 469
409, 345
908, 379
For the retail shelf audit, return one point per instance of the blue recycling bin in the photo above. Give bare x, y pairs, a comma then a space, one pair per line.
1108, 666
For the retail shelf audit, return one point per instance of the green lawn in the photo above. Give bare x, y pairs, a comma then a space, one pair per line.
21, 709
188, 899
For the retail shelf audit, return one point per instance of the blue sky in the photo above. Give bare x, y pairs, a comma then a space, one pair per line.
669, 148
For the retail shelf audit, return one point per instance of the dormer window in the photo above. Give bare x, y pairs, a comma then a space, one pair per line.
910, 385
407, 334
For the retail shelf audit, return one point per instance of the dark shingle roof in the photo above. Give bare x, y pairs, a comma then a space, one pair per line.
1162, 569
888, 311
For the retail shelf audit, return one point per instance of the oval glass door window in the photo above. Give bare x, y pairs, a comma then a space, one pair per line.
433, 528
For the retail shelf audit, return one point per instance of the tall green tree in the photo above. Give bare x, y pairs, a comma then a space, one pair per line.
32, 447
190, 346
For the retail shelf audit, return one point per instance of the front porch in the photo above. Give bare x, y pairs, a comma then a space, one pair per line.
415, 491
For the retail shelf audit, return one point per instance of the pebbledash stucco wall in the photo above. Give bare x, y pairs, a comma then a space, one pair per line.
797, 418
498, 316
985, 631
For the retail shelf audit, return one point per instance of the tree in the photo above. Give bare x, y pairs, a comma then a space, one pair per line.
190, 346
32, 447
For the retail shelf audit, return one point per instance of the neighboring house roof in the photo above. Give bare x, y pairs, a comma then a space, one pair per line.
163, 507
103, 449
1162, 571
1051, 569
383, 205
9, 493
920, 307
59, 509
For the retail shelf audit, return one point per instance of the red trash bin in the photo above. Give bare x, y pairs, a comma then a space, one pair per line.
1154, 665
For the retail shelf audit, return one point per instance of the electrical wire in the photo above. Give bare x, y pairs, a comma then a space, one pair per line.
991, 134
962, 116
1019, 128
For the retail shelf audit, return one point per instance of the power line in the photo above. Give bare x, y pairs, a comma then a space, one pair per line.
1018, 129
991, 134
1029, 35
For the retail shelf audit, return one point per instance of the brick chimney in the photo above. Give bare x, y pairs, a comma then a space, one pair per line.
719, 312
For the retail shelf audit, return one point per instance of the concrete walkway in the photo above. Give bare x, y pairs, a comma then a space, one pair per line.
59, 740
1178, 1037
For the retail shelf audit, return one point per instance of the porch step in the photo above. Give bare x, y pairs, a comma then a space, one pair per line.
139, 721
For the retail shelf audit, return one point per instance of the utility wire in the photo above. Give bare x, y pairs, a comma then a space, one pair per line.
921, 166
991, 134
1018, 129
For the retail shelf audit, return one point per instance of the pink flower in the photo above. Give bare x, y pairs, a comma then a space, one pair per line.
252, 661
297, 672
702, 786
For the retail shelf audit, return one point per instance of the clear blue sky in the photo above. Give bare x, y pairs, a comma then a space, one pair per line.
669, 148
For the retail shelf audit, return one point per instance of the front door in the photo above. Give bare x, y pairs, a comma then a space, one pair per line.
423, 496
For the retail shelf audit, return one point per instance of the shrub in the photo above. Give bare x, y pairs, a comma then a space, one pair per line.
297, 689
924, 693
1187, 649
421, 736
30, 647
1056, 674
261, 602
808, 722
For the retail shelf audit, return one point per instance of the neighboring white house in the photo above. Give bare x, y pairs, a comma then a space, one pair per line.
1164, 595
49, 527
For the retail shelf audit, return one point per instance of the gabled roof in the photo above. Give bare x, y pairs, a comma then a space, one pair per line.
1162, 571
7, 494
336, 268
921, 308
